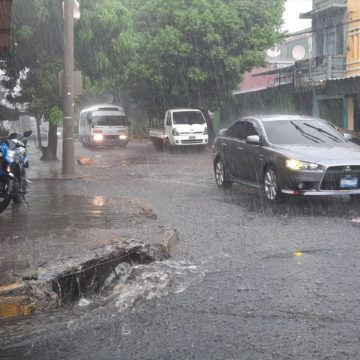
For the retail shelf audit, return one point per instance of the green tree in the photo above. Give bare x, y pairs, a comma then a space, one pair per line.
193, 52
159, 53
32, 65
103, 45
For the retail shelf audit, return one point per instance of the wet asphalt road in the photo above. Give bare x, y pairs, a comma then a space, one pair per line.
277, 282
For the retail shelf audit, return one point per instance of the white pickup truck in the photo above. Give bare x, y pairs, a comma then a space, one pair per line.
182, 127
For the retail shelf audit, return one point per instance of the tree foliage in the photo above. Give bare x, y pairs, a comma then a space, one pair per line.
103, 45
162, 53
36, 56
193, 52
31, 67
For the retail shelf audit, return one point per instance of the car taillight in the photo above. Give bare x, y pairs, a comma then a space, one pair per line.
205, 131
97, 131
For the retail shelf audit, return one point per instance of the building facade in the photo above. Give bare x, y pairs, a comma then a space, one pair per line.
327, 82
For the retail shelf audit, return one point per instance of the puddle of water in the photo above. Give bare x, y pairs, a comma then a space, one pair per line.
298, 253
57, 225
253, 201
61, 212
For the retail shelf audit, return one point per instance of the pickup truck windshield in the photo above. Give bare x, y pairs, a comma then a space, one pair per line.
109, 120
188, 117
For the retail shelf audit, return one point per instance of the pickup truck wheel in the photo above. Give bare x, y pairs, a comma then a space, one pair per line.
220, 175
168, 146
159, 144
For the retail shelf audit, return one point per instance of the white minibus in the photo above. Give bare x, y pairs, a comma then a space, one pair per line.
103, 125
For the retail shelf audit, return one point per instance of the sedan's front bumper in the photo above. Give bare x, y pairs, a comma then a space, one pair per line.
321, 192
323, 182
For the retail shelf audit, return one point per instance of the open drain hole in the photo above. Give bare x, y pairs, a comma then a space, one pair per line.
92, 276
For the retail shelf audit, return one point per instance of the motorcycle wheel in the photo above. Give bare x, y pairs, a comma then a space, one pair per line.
16, 197
5, 195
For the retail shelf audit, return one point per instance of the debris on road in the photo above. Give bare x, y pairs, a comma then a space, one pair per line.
83, 160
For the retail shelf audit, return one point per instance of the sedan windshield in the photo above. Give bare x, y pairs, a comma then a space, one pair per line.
301, 132
109, 120
188, 117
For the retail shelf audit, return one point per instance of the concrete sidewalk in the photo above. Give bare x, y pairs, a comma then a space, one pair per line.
47, 170
63, 231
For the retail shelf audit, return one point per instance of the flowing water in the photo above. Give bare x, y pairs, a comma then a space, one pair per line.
131, 287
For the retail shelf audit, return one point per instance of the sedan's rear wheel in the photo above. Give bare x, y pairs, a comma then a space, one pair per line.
271, 186
220, 175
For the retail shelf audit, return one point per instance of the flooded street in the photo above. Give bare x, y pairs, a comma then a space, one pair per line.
179, 179
249, 280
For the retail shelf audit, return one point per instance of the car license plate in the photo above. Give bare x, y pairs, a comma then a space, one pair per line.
349, 182
192, 137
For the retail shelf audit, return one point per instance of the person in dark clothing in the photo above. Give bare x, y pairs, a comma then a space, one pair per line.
3, 132
210, 126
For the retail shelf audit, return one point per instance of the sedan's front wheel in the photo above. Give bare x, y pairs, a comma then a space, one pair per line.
220, 175
271, 186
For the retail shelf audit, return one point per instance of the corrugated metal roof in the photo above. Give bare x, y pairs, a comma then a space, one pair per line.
10, 114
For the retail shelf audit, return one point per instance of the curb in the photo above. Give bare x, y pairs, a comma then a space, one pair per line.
15, 306
58, 176
13, 302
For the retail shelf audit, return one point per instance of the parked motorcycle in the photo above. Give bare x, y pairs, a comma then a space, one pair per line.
13, 164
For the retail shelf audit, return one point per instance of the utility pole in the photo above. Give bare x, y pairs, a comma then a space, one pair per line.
5, 22
68, 158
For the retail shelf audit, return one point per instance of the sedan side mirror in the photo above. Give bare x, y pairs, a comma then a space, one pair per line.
253, 140
347, 136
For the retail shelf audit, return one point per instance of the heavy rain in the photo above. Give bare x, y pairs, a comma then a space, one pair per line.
179, 179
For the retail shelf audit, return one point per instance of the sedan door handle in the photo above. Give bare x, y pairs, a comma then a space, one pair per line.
223, 144
240, 148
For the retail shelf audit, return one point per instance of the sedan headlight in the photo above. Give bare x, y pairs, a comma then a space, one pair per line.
300, 165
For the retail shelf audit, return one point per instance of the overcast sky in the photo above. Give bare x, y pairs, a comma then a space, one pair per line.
293, 8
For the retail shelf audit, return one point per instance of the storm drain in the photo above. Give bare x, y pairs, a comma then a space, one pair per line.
97, 275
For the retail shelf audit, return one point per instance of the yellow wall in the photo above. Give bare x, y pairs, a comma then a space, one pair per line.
350, 113
353, 38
